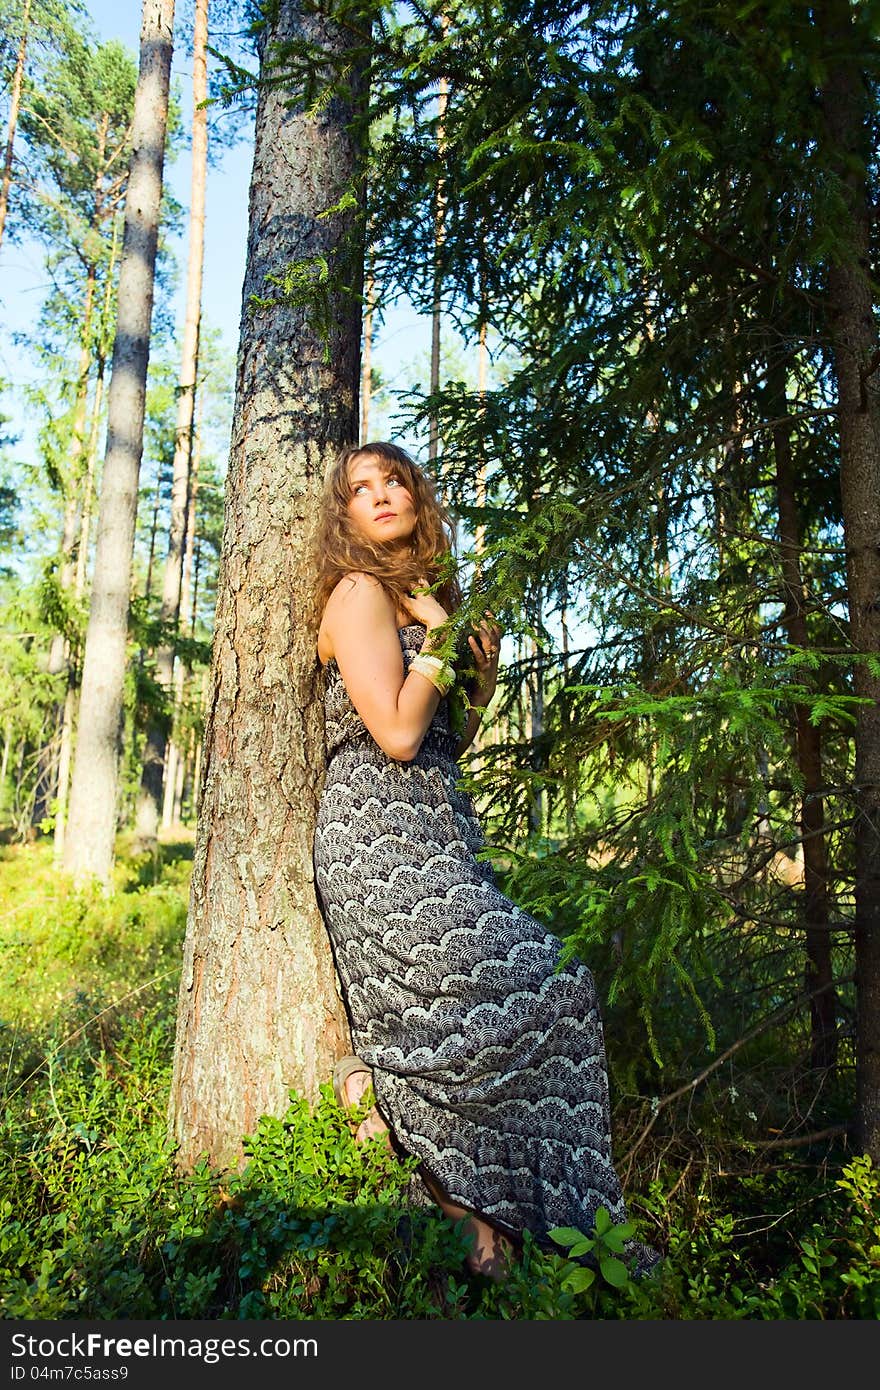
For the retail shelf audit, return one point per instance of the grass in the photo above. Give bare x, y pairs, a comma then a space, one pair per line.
96, 1221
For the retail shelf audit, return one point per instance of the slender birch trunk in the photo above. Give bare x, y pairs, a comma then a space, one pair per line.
88, 850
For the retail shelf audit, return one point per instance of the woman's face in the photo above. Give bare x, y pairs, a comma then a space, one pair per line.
379, 505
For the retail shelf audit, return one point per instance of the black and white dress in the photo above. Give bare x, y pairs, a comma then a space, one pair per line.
488, 1062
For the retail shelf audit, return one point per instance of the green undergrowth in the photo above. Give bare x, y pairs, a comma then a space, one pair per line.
67, 954
96, 1221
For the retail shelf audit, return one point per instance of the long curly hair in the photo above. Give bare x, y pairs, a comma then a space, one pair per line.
340, 547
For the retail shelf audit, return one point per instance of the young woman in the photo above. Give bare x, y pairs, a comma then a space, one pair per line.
486, 1061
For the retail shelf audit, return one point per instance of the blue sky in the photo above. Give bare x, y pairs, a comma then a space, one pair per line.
402, 340
403, 337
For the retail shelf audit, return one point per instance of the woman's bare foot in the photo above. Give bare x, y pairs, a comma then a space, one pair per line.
491, 1253
354, 1089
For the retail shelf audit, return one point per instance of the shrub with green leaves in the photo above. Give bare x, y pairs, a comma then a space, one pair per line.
96, 1221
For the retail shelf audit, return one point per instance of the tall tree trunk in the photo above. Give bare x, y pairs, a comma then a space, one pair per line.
68, 721
367, 366
535, 729
439, 234
200, 745
479, 739
4, 765
855, 350
154, 531
820, 969
88, 489
88, 850
260, 1011
480, 497
182, 672
72, 482
14, 108
150, 799
177, 798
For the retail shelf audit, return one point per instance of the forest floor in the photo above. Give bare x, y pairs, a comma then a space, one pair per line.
95, 1220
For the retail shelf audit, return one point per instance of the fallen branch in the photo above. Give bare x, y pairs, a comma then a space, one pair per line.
797, 1141
690, 1086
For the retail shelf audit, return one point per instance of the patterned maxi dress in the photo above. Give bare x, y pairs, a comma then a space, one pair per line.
488, 1062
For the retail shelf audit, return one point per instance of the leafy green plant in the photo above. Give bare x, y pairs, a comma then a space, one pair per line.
604, 1248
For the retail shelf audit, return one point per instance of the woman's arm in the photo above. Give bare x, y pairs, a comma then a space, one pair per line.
360, 622
485, 648
474, 715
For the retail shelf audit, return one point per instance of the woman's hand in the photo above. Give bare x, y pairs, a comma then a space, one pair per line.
425, 608
485, 647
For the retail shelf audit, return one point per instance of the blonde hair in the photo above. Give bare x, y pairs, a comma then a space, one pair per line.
341, 548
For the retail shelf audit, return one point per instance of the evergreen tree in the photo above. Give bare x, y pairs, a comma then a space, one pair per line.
674, 241
259, 1010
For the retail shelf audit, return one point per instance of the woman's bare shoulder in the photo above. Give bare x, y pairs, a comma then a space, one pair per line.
357, 599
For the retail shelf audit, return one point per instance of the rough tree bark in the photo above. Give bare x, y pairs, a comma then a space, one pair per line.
856, 353
91, 830
259, 1010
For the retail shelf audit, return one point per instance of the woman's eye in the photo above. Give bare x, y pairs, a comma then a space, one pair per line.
394, 481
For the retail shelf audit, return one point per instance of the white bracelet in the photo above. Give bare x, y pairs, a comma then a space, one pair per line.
438, 672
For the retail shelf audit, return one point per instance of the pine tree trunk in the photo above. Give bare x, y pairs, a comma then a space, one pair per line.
168, 790
88, 851
855, 353
535, 729
68, 723
172, 791
14, 107
479, 739
259, 1010
820, 966
150, 799
439, 235
4, 764
367, 367
82, 554
177, 799
65, 758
